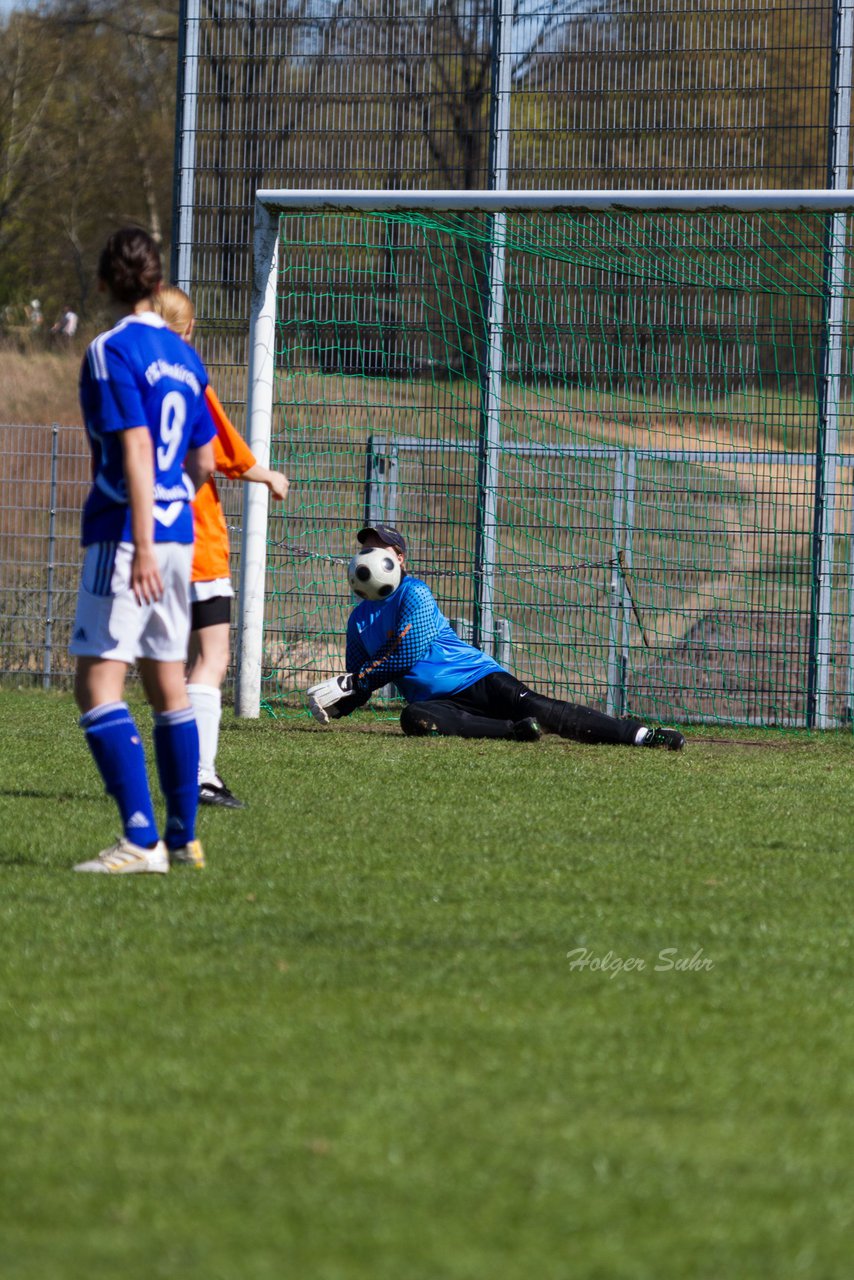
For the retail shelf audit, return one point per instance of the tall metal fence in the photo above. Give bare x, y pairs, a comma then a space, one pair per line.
596, 94
45, 478
532, 95
600, 94
745, 662
680, 415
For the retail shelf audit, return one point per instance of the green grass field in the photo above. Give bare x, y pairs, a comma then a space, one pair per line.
355, 1047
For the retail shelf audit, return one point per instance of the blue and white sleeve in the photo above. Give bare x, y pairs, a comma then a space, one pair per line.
417, 628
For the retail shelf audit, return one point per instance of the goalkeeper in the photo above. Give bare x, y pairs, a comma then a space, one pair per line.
451, 688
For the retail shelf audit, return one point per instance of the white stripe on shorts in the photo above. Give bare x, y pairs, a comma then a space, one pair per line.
212, 589
112, 624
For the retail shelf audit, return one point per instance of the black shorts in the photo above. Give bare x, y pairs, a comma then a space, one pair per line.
210, 613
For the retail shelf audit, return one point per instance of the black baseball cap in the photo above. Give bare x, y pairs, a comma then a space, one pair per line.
388, 537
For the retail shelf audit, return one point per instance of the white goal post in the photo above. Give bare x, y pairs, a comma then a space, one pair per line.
270, 204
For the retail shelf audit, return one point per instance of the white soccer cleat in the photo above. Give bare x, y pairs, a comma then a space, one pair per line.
125, 858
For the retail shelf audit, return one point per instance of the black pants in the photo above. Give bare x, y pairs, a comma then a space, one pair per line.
490, 708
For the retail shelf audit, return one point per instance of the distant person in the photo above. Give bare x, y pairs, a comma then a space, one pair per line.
142, 393
451, 688
211, 591
35, 316
65, 328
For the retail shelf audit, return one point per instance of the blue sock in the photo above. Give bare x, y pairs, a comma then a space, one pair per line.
176, 745
117, 748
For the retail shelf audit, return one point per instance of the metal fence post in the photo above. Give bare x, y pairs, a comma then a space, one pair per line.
51, 557
492, 362
381, 498
504, 644
849, 687
630, 481
615, 605
381, 481
184, 179
827, 434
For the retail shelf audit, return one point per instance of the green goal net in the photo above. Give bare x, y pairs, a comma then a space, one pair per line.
618, 441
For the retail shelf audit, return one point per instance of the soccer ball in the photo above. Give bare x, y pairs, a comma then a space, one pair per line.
374, 573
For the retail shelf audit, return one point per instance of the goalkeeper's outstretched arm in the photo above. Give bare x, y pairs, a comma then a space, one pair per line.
332, 699
414, 632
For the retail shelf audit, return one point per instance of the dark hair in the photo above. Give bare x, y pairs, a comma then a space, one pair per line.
130, 266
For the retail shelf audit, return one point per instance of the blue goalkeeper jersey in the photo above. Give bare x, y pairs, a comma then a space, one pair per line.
142, 374
406, 639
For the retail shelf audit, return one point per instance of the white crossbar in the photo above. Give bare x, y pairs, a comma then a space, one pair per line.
289, 199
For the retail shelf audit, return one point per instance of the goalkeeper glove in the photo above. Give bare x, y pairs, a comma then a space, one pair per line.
334, 698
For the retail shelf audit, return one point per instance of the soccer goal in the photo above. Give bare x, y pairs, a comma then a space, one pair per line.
616, 429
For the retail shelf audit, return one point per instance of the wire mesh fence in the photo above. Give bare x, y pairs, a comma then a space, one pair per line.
656, 486
712, 552
615, 94
658, 585
603, 94
45, 480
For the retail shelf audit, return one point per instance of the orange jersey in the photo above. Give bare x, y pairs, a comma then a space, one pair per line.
232, 457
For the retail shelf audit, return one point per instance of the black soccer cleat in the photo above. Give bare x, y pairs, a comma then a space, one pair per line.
527, 730
670, 739
218, 794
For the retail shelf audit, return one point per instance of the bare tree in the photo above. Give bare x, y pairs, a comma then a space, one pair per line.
86, 132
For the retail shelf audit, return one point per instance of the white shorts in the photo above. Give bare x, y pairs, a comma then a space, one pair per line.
211, 590
109, 622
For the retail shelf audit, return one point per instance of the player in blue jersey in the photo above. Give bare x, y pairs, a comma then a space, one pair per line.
451, 688
142, 392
